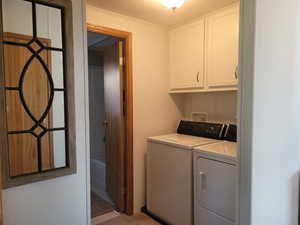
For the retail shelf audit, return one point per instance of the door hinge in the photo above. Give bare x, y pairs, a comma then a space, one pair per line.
122, 61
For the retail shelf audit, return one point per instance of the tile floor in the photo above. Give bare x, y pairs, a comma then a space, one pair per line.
99, 206
139, 219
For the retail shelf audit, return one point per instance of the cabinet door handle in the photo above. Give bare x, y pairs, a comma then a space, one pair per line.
202, 181
236, 73
198, 76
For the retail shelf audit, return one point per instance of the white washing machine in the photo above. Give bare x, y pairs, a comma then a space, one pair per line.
215, 183
169, 171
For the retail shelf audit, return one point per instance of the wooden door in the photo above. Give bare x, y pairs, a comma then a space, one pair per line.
114, 114
222, 39
23, 157
187, 56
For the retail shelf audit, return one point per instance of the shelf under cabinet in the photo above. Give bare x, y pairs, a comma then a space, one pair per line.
183, 91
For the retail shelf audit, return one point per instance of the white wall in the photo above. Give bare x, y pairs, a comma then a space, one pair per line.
220, 106
154, 111
59, 201
276, 115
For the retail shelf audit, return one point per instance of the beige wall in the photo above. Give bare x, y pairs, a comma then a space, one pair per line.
220, 106
154, 111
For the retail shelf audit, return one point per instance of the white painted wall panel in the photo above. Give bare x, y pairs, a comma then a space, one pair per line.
276, 115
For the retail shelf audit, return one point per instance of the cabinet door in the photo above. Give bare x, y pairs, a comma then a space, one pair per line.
215, 187
187, 56
222, 35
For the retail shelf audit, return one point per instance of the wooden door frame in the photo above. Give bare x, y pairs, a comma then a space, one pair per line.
127, 36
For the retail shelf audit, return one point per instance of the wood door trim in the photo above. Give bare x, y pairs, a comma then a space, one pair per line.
127, 36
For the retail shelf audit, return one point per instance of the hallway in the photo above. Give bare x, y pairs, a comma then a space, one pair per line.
99, 206
139, 219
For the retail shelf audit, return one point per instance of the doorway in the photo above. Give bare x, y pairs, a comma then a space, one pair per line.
110, 100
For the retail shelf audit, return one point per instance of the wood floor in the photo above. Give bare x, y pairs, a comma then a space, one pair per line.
139, 219
99, 206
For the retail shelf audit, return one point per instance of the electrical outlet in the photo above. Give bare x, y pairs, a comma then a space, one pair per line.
199, 116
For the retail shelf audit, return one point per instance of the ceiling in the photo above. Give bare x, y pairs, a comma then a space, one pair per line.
154, 11
94, 38
98, 42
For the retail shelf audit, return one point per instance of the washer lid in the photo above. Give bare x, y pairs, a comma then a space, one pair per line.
226, 149
182, 141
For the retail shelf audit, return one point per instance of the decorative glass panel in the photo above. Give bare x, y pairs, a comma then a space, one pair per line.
57, 69
11, 23
49, 24
36, 98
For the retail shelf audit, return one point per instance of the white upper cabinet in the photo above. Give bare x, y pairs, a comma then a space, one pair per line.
204, 54
187, 56
222, 38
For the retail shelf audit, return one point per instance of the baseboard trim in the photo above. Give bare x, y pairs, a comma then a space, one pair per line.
154, 217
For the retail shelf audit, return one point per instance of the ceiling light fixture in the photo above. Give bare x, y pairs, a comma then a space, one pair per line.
173, 4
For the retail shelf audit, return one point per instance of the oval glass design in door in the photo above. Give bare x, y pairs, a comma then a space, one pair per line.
35, 90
